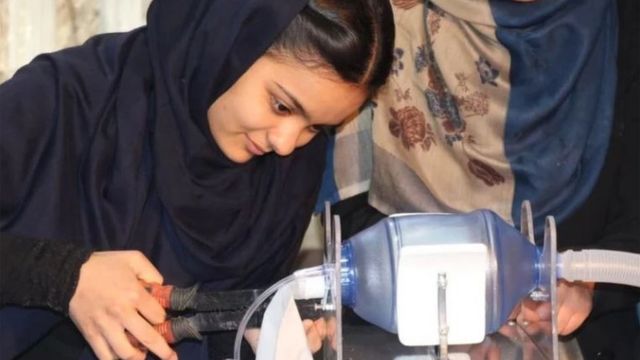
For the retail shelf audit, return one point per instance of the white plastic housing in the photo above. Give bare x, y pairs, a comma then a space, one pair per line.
466, 267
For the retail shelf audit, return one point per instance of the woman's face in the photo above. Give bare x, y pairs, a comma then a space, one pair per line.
278, 104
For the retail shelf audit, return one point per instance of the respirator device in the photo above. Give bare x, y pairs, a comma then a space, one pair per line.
438, 279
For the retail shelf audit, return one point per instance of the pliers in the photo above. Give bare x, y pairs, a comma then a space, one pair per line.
209, 311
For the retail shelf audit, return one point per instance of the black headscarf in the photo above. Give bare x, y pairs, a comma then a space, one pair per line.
107, 145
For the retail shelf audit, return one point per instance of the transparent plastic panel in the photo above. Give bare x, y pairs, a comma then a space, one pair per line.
331, 302
294, 319
365, 341
300, 316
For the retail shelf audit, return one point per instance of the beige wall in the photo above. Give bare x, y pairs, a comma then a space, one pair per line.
4, 23
30, 27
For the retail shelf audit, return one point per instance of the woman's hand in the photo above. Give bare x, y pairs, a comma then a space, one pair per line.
318, 330
110, 301
575, 300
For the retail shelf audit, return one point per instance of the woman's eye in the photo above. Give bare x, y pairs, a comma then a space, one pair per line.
321, 128
315, 128
279, 107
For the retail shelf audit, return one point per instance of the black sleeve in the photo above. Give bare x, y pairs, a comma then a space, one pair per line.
39, 273
610, 218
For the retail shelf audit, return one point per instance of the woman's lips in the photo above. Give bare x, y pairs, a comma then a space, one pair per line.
254, 148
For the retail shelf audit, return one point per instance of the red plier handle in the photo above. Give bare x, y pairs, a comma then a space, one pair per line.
214, 310
162, 293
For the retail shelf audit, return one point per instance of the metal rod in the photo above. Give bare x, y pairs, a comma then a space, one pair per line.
443, 327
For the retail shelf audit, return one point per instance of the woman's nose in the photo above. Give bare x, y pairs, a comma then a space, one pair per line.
283, 138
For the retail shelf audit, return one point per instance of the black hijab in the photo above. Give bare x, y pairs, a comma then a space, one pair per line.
107, 145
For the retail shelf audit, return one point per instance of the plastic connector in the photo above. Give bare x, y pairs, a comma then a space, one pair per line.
309, 287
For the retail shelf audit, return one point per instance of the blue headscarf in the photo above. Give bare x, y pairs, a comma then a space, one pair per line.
560, 111
107, 145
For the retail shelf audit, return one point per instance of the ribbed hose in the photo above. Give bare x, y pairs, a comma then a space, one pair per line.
605, 266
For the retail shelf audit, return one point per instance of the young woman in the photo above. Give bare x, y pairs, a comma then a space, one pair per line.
191, 148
